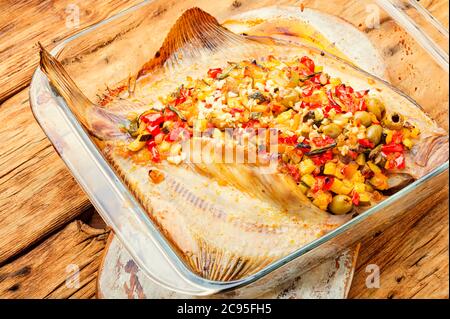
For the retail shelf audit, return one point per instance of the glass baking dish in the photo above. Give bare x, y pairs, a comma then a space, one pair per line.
412, 42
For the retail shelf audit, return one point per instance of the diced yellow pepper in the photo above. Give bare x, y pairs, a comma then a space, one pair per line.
415, 132
322, 200
318, 68
408, 143
389, 134
164, 147
364, 197
360, 187
361, 159
340, 188
306, 166
296, 122
284, 117
260, 108
369, 187
308, 179
379, 181
136, 145
330, 168
234, 102
200, 125
175, 149
335, 81
303, 188
374, 167
357, 177
338, 172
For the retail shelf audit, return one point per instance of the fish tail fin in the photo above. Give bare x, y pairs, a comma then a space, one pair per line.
101, 122
434, 152
78, 103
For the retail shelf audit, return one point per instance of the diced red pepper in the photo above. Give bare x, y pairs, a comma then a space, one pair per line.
322, 158
352, 154
392, 148
345, 94
395, 160
151, 145
322, 183
307, 91
397, 137
320, 142
362, 105
170, 115
153, 129
249, 124
306, 61
177, 133
293, 171
153, 119
355, 199
360, 94
182, 97
332, 104
366, 143
290, 140
316, 78
400, 161
236, 110
213, 73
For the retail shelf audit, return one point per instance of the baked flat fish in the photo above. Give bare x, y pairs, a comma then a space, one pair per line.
242, 149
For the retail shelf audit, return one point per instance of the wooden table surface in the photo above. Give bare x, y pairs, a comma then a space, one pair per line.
48, 227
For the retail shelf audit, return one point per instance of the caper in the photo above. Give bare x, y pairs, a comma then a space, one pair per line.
364, 118
340, 205
376, 107
333, 130
374, 133
393, 121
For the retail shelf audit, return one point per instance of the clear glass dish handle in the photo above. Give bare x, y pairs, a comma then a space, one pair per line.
397, 10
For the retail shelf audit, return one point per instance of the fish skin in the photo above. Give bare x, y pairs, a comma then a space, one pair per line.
226, 232
213, 224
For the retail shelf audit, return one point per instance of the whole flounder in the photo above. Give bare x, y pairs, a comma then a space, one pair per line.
228, 220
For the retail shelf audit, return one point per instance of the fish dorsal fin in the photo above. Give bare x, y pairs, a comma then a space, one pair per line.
195, 33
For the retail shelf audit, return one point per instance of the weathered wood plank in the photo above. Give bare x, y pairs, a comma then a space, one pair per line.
412, 255
48, 270
24, 23
38, 194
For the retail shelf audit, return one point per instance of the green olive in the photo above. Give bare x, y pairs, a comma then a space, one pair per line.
333, 130
340, 205
393, 121
374, 133
376, 107
364, 118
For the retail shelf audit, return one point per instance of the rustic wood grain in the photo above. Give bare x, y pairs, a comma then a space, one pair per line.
39, 196
412, 255
24, 23
42, 273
